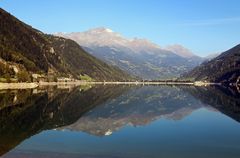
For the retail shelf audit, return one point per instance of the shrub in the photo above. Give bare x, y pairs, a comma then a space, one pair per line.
23, 76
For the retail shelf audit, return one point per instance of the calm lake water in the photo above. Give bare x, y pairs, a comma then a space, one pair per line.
120, 122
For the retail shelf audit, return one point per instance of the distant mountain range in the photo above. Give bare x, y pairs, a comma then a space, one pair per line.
25, 51
224, 68
139, 57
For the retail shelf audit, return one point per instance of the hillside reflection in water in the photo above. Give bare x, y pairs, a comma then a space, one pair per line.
120, 121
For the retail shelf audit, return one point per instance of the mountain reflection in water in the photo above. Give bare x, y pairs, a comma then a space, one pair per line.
102, 110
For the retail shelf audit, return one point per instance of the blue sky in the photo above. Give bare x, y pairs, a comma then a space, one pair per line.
203, 26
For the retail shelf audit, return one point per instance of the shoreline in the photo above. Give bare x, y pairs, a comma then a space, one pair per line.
33, 85
4, 86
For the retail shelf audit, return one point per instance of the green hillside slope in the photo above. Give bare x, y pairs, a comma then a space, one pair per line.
25, 51
225, 68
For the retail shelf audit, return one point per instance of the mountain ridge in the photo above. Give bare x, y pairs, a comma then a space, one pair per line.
139, 57
224, 68
25, 51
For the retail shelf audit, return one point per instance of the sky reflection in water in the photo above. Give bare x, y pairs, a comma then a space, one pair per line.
123, 121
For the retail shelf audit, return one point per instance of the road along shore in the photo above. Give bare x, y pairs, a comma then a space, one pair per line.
18, 85
76, 83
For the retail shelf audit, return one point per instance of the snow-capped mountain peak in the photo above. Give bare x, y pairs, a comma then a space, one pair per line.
105, 37
137, 56
96, 37
100, 30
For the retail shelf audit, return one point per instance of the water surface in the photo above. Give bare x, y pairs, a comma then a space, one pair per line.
116, 121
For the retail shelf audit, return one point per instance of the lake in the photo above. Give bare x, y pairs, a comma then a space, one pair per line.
120, 121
